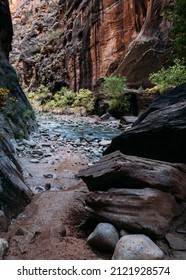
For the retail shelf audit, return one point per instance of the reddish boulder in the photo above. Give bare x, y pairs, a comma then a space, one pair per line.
147, 211
117, 170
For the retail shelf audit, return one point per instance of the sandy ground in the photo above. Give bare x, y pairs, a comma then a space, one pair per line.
49, 228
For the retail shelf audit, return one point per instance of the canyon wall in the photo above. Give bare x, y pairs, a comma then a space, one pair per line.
76, 43
16, 120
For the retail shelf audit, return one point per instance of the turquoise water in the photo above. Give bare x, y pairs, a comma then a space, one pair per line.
71, 131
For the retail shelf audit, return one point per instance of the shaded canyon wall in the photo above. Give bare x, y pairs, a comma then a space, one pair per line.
14, 194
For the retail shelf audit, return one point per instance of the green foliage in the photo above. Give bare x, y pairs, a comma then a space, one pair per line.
85, 99
175, 12
3, 96
62, 99
169, 78
114, 86
118, 102
43, 94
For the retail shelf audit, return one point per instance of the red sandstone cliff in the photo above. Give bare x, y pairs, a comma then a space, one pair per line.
78, 42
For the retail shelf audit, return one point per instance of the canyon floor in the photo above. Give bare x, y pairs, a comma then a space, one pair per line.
53, 224
49, 228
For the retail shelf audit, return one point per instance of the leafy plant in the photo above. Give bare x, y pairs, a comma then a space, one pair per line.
118, 101
169, 78
114, 86
3, 96
85, 99
62, 99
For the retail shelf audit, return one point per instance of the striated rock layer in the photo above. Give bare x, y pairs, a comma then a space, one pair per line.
16, 119
132, 190
76, 43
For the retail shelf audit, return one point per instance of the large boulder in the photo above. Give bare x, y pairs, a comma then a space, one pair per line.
160, 133
147, 210
104, 237
117, 170
137, 247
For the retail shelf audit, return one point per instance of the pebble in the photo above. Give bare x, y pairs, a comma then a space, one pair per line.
37, 152
30, 143
34, 160
48, 175
105, 143
39, 189
96, 153
123, 232
20, 148
48, 186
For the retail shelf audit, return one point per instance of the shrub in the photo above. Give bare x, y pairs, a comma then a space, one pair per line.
3, 96
40, 97
62, 99
66, 96
169, 78
84, 98
113, 88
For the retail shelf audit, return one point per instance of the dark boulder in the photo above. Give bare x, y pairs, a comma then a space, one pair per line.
147, 211
160, 132
117, 170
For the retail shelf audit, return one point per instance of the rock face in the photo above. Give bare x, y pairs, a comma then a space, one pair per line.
117, 170
76, 43
143, 195
135, 210
160, 133
16, 119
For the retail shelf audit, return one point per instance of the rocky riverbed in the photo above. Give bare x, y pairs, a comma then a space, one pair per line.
51, 158
55, 224
68, 141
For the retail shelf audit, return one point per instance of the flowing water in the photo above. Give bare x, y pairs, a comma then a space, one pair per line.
82, 130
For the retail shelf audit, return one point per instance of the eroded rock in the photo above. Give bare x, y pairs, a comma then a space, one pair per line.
117, 170
147, 211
